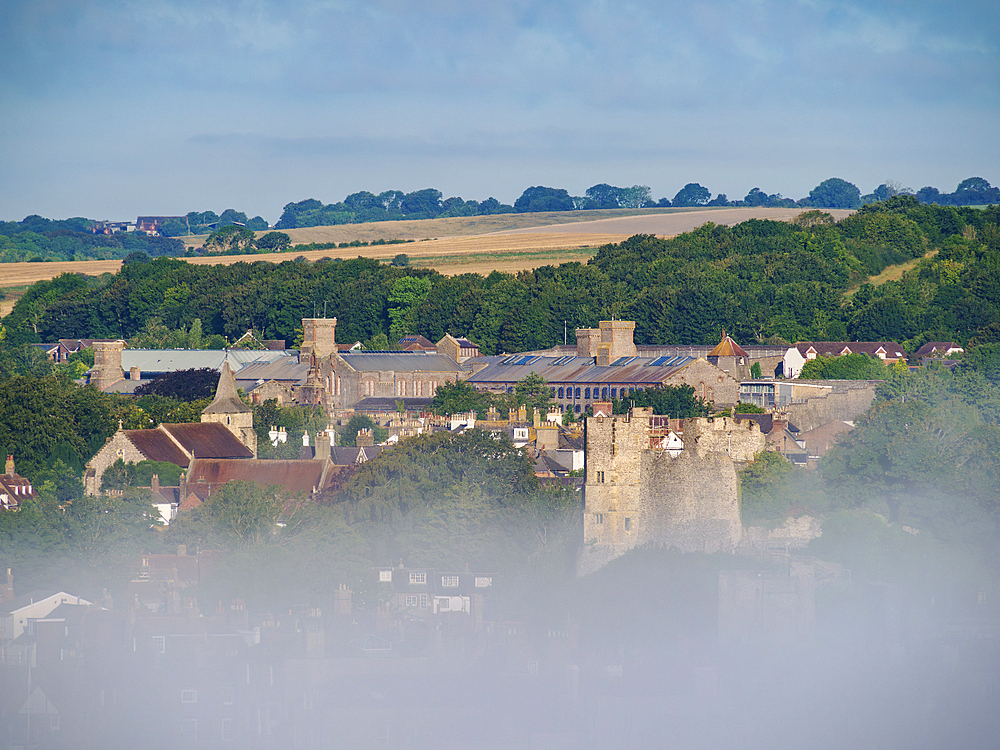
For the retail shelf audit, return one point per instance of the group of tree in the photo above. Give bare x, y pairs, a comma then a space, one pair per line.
760, 280
39, 239
203, 222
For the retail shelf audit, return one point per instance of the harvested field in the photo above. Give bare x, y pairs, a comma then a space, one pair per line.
481, 244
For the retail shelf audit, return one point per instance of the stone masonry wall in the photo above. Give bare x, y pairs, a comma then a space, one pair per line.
117, 446
709, 383
845, 406
635, 495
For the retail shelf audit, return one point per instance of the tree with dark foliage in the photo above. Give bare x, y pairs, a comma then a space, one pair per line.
184, 385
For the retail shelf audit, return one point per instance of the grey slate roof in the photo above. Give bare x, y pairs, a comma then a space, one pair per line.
285, 369
170, 360
579, 370
400, 361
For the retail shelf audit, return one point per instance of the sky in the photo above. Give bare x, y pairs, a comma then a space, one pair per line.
114, 109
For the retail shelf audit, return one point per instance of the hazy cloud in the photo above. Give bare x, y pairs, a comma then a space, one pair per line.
629, 87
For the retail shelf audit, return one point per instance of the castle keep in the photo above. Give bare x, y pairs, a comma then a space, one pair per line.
661, 481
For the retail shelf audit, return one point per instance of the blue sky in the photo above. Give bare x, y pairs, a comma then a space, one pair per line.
115, 109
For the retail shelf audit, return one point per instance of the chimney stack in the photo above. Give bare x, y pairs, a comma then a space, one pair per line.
9, 468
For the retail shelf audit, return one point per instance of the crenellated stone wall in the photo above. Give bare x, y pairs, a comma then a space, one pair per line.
636, 495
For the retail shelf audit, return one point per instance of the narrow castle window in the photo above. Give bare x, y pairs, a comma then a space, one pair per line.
600, 477
598, 518
628, 524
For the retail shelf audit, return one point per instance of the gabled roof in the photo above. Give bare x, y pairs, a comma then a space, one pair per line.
208, 440
349, 455
175, 443
293, 475
227, 400
938, 347
891, 349
421, 343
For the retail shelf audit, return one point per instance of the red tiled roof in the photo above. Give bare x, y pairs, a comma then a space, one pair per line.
208, 440
156, 445
293, 475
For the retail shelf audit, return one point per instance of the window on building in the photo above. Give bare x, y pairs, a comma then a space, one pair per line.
483, 582
600, 477
614, 393
418, 577
159, 644
598, 518
423, 601
604, 393
410, 600
586, 393
189, 696
385, 575
628, 524
449, 581
578, 395
577, 408
561, 391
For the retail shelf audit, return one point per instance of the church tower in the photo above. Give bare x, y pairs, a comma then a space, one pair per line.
227, 409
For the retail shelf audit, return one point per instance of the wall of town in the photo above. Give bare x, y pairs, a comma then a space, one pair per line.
844, 405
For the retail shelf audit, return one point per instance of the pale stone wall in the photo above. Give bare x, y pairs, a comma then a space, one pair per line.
117, 446
739, 440
845, 406
709, 383
346, 386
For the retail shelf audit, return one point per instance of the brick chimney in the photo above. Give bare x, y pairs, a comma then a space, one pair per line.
366, 438
154, 484
9, 467
134, 373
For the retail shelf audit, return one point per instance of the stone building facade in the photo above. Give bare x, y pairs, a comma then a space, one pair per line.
637, 493
338, 380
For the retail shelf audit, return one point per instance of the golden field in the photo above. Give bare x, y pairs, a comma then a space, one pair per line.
478, 244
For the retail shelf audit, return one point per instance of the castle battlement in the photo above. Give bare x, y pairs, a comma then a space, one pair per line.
647, 483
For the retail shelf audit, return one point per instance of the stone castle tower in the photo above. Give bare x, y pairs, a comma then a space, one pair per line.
107, 367
637, 493
227, 409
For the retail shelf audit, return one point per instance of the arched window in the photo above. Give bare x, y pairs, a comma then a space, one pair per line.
561, 390
604, 393
701, 390
578, 395
614, 393
586, 393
